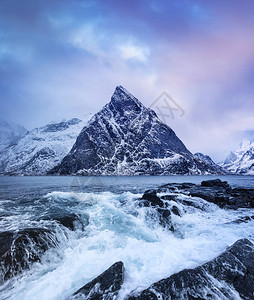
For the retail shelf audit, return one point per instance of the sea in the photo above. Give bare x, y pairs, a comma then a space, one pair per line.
114, 229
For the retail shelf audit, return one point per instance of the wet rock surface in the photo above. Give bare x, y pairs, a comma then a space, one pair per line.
150, 199
214, 191
164, 200
105, 286
210, 191
69, 220
18, 250
229, 276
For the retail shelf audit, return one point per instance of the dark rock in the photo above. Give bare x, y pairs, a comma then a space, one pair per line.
215, 183
152, 198
218, 192
210, 195
168, 187
191, 297
175, 211
243, 198
165, 218
187, 185
221, 278
18, 250
105, 286
245, 219
195, 203
70, 220
214, 191
169, 197
206, 194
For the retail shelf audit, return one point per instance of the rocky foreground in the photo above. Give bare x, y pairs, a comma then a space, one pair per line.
229, 276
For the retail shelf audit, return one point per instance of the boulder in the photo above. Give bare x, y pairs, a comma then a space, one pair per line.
72, 221
68, 219
165, 218
18, 250
214, 191
240, 220
215, 183
105, 286
175, 211
152, 199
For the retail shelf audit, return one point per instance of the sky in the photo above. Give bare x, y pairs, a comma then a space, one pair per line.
61, 59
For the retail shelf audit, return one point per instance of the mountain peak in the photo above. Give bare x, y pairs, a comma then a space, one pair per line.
123, 100
241, 160
245, 145
122, 94
121, 89
126, 138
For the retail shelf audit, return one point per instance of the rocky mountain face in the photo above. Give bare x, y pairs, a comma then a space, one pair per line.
10, 133
40, 149
206, 159
241, 161
126, 138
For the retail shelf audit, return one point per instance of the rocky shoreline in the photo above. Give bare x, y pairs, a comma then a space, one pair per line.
229, 276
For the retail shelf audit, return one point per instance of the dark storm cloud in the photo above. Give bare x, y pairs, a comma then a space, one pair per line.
63, 58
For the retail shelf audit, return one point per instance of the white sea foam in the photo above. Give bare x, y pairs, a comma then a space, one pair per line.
120, 230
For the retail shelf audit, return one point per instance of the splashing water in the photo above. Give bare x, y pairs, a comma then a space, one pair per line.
117, 229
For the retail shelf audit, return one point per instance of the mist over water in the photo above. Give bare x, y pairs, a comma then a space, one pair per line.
115, 228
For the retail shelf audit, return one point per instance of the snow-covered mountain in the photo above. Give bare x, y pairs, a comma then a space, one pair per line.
126, 138
207, 160
241, 161
41, 149
10, 133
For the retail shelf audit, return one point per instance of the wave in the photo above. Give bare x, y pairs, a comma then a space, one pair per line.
118, 229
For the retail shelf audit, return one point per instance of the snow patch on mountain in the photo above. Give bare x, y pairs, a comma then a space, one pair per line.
41, 149
206, 159
241, 161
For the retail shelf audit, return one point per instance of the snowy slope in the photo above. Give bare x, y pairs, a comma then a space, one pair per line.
126, 138
241, 161
41, 149
10, 133
207, 160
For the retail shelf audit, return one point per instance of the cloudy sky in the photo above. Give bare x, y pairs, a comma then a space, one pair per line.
63, 58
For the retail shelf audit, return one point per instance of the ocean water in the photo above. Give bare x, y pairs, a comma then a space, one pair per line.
116, 228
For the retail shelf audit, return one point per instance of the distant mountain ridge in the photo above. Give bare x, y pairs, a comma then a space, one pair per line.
41, 148
241, 161
126, 138
207, 160
123, 138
